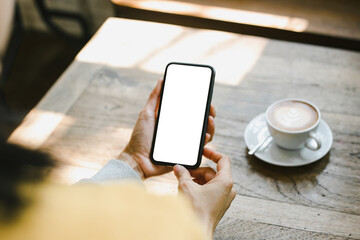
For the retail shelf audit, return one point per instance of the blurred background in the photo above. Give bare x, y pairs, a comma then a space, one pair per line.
44, 36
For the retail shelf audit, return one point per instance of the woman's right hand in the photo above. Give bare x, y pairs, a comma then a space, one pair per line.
210, 192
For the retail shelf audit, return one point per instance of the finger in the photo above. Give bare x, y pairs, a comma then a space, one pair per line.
182, 174
205, 173
212, 111
152, 101
157, 106
210, 127
212, 155
223, 162
207, 138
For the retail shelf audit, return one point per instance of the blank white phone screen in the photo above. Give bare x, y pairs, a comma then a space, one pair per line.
182, 113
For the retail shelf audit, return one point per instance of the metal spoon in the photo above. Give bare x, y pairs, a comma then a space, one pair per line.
257, 146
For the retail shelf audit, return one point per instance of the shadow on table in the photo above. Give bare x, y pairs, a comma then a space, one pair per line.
287, 174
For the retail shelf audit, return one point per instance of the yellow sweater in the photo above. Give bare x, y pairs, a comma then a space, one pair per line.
113, 211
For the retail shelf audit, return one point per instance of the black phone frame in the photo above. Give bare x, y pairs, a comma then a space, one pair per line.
205, 122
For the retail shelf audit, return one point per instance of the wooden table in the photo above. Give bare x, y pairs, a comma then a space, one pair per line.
88, 115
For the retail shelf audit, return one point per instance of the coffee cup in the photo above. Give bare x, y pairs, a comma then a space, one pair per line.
292, 123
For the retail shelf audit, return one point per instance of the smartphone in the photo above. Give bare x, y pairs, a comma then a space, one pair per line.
182, 116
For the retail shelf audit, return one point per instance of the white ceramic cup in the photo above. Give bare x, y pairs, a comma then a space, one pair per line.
294, 140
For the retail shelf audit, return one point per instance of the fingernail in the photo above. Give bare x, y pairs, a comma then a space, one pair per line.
177, 169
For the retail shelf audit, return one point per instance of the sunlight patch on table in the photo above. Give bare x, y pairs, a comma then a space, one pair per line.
101, 145
151, 46
36, 128
68, 174
231, 57
112, 47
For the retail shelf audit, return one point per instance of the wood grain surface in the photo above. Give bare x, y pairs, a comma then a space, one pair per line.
94, 105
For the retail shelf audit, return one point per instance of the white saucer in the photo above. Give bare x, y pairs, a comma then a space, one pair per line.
257, 130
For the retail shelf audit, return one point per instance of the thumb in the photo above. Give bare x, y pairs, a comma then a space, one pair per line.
181, 173
154, 97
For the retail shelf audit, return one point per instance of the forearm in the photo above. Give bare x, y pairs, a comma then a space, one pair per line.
129, 160
114, 170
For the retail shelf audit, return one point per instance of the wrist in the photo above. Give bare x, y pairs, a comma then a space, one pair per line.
127, 158
208, 225
209, 230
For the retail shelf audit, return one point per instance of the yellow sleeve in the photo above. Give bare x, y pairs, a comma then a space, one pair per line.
116, 211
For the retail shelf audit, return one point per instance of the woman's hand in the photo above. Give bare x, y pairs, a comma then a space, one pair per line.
210, 192
137, 152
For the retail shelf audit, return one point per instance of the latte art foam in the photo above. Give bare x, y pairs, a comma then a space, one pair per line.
292, 116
